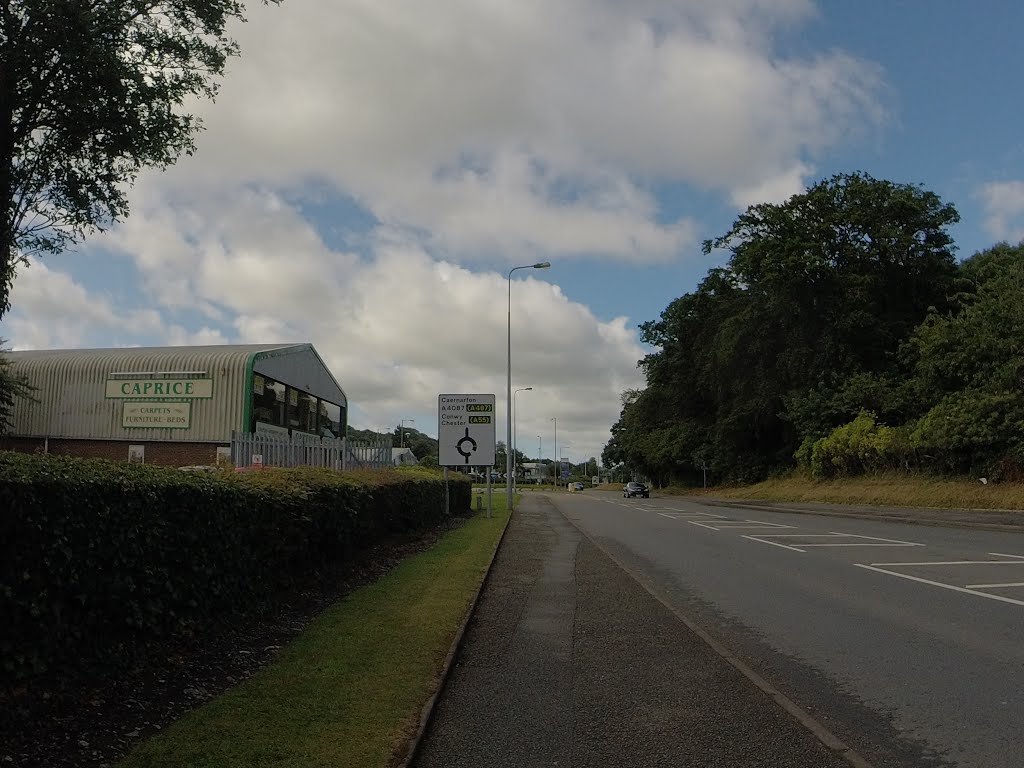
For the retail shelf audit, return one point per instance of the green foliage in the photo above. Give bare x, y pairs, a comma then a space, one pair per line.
800, 331
90, 93
100, 559
972, 432
12, 389
859, 447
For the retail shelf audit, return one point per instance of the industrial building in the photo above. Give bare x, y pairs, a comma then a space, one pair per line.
172, 405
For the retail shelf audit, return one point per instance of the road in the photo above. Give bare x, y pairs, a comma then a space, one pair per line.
904, 640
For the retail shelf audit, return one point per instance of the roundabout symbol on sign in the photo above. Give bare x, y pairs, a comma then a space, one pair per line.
463, 451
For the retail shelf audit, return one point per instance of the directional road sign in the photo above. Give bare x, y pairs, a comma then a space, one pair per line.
465, 430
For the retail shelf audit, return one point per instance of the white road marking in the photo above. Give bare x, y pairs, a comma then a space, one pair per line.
996, 586
877, 538
677, 515
773, 543
1000, 554
955, 562
703, 525
862, 544
965, 590
747, 524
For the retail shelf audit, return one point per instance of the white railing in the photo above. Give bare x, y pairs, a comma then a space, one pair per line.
309, 451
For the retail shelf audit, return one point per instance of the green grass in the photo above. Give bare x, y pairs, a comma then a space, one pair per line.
349, 690
882, 490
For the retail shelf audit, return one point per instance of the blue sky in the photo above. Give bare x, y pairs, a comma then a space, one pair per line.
369, 173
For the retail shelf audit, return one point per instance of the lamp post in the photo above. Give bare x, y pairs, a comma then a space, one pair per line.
401, 430
515, 432
555, 419
508, 383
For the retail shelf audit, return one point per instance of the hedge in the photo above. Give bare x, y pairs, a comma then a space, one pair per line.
101, 559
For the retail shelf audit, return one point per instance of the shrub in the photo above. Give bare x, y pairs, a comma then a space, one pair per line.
98, 559
858, 447
973, 432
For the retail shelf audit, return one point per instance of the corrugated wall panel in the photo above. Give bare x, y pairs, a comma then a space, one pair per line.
71, 386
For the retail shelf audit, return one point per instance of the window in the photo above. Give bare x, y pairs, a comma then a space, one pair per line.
330, 420
301, 411
268, 402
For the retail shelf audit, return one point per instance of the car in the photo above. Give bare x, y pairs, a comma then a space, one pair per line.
578, 486
629, 490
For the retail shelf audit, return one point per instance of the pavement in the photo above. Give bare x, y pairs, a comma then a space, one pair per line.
568, 661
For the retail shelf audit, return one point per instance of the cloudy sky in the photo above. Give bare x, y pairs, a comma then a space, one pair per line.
371, 171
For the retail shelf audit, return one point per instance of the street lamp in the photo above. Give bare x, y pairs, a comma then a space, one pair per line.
508, 383
401, 430
515, 431
555, 419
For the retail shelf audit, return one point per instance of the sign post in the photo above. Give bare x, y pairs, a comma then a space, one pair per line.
465, 433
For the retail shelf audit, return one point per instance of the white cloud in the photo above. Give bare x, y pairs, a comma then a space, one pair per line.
51, 310
1004, 209
491, 128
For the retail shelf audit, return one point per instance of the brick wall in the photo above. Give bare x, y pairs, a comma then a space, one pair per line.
168, 454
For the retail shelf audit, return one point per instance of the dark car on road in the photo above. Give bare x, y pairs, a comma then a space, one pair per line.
629, 490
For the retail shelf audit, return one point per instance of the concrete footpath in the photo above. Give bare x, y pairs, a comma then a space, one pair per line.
569, 662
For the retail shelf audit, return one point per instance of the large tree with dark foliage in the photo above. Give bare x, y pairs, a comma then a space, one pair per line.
796, 334
91, 92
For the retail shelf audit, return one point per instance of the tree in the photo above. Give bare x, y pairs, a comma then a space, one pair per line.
90, 94
12, 388
800, 331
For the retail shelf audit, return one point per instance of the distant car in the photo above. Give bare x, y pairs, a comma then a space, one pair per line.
629, 490
578, 486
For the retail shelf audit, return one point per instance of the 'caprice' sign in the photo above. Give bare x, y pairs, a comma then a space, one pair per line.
134, 389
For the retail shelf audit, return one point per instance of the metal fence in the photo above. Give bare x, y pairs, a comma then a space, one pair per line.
309, 451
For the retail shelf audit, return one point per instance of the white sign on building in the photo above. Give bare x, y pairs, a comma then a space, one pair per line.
465, 430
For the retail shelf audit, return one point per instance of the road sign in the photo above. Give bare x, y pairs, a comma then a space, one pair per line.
465, 430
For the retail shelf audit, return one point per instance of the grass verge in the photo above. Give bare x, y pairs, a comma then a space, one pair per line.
880, 490
348, 691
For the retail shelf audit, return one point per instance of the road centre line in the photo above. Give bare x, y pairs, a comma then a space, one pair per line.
773, 543
1000, 554
965, 590
996, 586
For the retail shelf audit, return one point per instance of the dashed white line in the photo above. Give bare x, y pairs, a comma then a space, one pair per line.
964, 590
996, 586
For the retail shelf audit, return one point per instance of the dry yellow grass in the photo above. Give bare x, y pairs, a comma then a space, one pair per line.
883, 490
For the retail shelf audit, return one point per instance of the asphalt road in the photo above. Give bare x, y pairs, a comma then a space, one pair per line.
569, 662
906, 641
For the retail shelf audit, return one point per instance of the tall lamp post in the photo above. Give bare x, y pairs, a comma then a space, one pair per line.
401, 430
508, 384
555, 419
515, 432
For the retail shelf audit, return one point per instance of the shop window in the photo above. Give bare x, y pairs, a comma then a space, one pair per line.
301, 411
268, 402
330, 420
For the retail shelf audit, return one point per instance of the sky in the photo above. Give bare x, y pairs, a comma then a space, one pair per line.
371, 171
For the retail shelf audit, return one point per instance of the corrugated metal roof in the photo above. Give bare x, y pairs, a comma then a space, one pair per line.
213, 353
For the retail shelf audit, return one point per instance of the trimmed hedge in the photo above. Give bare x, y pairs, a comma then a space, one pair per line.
100, 559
